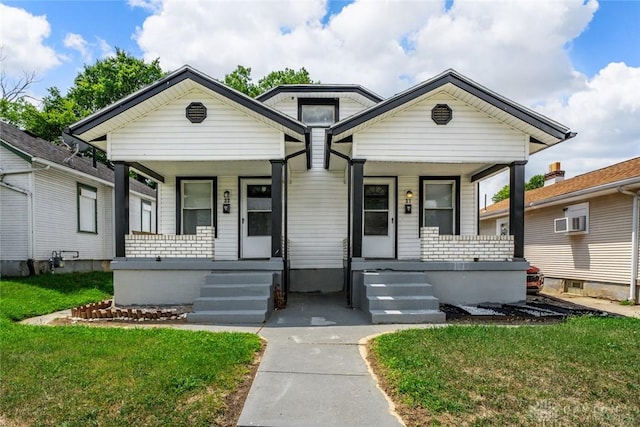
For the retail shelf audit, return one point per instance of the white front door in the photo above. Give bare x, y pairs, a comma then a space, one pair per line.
378, 238
256, 218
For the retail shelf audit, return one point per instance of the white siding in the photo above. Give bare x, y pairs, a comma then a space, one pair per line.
226, 244
604, 254
411, 135
408, 224
14, 208
166, 134
317, 219
347, 104
167, 206
56, 217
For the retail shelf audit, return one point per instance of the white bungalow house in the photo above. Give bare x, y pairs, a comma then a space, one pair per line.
318, 188
55, 204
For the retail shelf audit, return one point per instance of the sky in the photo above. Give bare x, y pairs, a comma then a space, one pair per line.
576, 61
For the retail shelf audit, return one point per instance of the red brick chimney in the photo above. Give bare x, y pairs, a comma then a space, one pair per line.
554, 175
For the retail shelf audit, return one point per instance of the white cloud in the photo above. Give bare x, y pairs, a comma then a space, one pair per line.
22, 38
78, 43
106, 50
151, 5
516, 48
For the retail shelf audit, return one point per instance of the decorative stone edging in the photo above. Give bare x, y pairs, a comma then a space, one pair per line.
105, 310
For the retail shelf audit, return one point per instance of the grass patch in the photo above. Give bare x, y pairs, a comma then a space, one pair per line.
583, 372
25, 297
79, 376
90, 376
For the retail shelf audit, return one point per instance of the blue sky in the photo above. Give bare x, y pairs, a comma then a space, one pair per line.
577, 61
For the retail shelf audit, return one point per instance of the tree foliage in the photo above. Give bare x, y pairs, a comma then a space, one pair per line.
536, 181
241, 80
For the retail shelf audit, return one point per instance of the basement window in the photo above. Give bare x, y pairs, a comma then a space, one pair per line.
87, 209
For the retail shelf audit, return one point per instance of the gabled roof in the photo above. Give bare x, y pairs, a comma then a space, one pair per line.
30, 147
610, 177
292, 127
319, 88
556, 131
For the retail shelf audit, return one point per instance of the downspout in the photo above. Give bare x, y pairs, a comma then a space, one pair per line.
634, 241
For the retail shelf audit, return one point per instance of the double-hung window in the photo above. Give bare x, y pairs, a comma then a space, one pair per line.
197, 204
87, 209
146, 216
439, 205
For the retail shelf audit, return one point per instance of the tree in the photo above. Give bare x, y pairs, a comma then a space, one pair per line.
536, 181
111, 79
240, 79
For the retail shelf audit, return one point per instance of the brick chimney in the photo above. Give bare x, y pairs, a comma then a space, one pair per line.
554, 175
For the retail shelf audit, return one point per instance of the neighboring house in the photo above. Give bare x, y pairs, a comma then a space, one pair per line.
581, 232
52, 201
317, 188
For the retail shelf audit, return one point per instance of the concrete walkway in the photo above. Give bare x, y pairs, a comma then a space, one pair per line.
313, 372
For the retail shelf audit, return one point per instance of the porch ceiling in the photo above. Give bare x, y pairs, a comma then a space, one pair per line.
422, 169
220, 168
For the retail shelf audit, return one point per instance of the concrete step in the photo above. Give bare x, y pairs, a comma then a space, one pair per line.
407, 302
399, 289
407, 316
239, 290
228, 316
231, 303
377, 277
238, 277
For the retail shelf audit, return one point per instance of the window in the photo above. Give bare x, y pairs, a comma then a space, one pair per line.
439, 202
87, 209
502, 227
259, 210
196, 202
318, 112
146, 216
376, 210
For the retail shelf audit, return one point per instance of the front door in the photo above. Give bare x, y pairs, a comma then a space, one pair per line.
256, 218
378, 239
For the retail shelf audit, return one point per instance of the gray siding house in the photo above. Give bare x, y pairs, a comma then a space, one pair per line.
52, 201
317, 188
582, 232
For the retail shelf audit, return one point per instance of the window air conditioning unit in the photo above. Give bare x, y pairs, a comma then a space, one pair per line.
569, 224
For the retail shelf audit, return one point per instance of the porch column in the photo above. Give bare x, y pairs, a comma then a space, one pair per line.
276, 208
516, 207
357, 212
121, 177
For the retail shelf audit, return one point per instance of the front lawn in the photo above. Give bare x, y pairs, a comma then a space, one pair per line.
33, 296
583, 372
81, 375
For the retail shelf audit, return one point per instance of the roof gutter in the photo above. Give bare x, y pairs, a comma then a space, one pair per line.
634, 241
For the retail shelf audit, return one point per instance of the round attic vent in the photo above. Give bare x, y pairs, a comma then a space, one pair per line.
442, 114
196, 112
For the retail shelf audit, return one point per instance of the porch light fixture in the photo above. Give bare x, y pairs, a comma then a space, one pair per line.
226, 205
407, 201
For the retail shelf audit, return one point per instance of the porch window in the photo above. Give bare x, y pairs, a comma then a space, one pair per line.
376, 210
146, 216
259, 210
318, 112
196, 203
87, 209
440, 199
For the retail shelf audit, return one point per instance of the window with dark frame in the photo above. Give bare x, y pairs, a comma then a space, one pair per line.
87, 209
318, 112
439, 205
197, 204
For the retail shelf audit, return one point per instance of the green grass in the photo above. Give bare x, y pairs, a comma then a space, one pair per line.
584, 372
21, 298
90, 376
